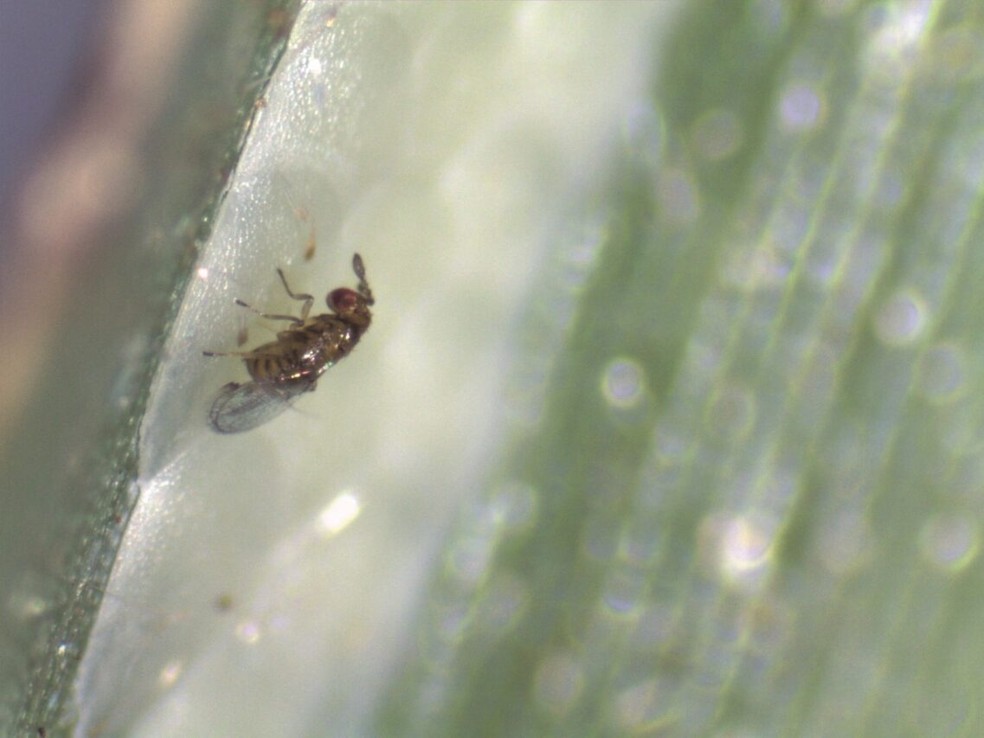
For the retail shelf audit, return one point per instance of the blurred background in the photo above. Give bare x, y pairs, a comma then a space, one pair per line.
665, 424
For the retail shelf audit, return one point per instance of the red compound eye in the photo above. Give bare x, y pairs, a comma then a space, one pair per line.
343, 300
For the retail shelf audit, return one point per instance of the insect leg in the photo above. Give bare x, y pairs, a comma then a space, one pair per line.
308, 299
271, 316
227, 353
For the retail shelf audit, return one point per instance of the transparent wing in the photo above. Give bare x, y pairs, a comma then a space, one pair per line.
242, 407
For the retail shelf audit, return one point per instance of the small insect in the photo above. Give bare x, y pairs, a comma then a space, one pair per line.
284, 369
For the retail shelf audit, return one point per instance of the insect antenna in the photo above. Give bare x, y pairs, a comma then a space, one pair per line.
360, 271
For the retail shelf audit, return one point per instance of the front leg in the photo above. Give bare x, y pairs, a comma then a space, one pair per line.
270, 316
308, 299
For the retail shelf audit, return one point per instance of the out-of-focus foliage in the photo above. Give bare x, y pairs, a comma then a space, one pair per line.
751, 500
68, 467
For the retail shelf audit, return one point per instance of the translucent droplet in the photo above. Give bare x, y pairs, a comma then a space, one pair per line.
950, 542
801, 108
514, 506
678, 198
623, 383
901, 319
943, 377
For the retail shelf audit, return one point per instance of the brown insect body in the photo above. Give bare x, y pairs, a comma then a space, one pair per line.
304, 353
289, 366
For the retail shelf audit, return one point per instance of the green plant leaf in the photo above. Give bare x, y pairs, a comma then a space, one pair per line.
752, 503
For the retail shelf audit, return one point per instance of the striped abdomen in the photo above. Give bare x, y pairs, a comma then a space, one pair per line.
302, 354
